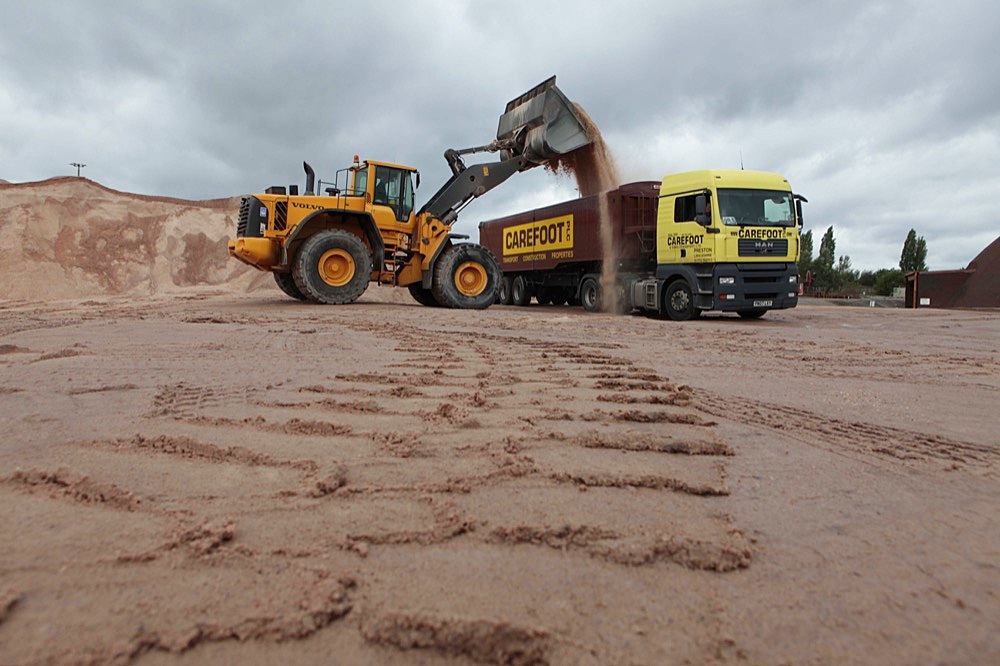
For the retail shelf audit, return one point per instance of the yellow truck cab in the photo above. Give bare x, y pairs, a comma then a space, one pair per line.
727, 240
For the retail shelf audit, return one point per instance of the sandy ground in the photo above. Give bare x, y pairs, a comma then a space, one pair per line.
209, 477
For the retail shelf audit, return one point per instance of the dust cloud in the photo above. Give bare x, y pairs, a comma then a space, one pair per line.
596, 174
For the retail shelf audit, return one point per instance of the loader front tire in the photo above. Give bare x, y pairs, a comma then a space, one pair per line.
423, 296
466, 276
332, 266
286, 283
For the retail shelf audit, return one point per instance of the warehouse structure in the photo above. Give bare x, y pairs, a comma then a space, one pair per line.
976, 286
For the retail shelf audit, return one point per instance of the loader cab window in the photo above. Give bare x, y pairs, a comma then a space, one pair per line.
394, 188
360, 182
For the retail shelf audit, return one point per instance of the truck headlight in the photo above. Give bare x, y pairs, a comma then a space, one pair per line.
793, 278
727, 280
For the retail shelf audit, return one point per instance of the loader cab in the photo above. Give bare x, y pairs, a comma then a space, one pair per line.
394, 188
390, 190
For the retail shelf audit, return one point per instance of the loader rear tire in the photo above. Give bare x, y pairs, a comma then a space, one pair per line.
286, 283
332, 266
466, 276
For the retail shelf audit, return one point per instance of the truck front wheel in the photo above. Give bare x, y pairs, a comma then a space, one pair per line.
678, 302
332, 266
466, 276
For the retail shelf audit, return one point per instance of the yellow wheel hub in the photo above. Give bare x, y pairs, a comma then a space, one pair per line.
471, 278
336, 267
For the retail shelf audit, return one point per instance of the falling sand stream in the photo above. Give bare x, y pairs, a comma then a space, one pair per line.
595, 173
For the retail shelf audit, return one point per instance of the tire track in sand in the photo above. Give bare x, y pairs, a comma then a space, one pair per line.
855, 436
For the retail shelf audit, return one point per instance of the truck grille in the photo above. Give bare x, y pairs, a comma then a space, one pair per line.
244, 218
750, 247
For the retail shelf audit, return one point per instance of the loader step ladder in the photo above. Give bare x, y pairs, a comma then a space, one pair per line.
393, 260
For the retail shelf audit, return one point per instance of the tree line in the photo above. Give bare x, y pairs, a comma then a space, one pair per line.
830, 273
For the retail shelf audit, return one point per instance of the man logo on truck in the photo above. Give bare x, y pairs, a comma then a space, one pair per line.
552, 234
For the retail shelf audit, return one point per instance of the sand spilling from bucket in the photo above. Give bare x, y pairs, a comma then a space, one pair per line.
596, 174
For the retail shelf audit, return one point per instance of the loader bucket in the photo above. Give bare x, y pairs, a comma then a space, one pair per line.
541, 124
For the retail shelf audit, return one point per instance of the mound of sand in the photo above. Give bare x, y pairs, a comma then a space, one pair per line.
73, 238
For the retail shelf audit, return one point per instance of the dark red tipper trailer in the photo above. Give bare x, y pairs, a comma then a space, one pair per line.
547, 253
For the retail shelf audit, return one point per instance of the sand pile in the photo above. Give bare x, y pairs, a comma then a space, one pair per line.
73, 238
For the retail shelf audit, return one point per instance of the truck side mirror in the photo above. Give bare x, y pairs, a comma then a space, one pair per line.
798, 207
700, 216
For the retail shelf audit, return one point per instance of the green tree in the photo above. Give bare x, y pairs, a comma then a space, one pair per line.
805, 253
844, 272
914, 255
823, 273
887, 279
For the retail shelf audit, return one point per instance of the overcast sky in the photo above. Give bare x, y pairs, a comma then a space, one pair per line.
886, 116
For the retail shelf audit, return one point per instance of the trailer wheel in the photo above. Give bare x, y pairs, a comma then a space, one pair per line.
466, 276
590, 295
422, 295
332, 266
286, 283
751, 314
503, 293
519, 294
678, 302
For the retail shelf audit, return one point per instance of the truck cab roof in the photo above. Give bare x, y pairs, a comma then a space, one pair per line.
690, 181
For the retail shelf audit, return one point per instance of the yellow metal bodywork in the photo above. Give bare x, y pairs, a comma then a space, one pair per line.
413, 241
686, 242
262, 253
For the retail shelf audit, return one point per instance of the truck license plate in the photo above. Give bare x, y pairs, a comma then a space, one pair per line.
763, 304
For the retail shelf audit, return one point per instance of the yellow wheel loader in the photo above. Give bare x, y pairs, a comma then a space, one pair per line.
365, 227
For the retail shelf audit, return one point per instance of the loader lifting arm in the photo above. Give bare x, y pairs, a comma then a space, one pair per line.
536, 127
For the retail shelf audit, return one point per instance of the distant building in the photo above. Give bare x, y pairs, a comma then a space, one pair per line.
976, 286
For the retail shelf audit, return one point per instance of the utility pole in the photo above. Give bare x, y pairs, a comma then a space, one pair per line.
78, 167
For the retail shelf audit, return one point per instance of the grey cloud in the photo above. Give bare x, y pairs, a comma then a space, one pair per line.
881, 113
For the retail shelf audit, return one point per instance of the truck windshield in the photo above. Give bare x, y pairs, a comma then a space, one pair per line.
761, 208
